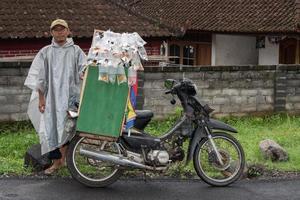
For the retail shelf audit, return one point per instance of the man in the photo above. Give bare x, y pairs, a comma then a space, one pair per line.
54, 77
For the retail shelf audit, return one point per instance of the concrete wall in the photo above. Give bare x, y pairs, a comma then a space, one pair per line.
234, 50
288, 89
268, 55
14, 96
230, 90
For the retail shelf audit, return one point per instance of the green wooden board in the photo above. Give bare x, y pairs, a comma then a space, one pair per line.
102, 106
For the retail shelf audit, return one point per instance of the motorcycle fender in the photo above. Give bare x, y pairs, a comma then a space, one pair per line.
218, 125
197, 136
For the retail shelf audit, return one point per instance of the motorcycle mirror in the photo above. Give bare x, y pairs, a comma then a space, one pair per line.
169, 83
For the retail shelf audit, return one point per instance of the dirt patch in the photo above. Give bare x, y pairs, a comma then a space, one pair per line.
258, 171
269, 175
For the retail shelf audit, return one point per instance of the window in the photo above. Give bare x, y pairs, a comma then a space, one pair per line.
174, 54
288, 51
188, 55
182, 54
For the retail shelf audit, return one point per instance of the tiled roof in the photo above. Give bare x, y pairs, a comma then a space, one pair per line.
249, 16
32, 18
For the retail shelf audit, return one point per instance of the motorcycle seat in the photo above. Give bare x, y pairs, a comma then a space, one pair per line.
144, 113
143, 117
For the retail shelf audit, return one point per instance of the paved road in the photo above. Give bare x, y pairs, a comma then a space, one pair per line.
68, 189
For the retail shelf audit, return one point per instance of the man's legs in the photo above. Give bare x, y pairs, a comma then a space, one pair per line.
63, 151
58, 156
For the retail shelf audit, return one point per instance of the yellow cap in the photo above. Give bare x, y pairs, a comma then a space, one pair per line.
59, 22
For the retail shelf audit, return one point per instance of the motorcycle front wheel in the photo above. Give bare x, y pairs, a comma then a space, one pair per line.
207, 163
88, 171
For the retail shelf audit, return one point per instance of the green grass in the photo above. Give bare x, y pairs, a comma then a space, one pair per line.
283, 129
17, 137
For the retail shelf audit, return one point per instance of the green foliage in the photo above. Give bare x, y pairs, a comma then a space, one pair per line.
14, 127
158, 127
15, 139
283, 129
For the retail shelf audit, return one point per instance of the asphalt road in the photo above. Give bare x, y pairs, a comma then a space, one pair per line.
68, 189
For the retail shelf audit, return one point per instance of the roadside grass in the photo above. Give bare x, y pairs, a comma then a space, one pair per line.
17, 137
282, 128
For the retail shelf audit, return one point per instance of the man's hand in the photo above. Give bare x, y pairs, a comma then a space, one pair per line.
82, 72
42, 107
41, 102
81, 76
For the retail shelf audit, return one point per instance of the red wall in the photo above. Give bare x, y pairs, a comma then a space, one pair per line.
153, 47
29, 47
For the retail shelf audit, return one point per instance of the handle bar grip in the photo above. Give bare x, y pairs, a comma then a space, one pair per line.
168, 92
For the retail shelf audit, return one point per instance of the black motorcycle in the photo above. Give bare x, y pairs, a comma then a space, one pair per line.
218, 157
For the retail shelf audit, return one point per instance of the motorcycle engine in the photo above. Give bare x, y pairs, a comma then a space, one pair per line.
160, 157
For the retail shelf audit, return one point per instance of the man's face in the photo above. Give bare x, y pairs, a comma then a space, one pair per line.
60, 33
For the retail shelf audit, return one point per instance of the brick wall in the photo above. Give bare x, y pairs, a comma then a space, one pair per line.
230, 90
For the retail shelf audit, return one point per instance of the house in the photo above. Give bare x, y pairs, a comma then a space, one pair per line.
228, 32
186, 32
24, 25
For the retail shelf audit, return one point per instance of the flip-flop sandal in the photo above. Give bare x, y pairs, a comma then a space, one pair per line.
51, 170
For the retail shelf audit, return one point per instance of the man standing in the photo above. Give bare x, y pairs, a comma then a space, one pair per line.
54, 77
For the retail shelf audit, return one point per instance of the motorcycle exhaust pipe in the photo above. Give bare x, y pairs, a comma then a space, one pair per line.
119, 160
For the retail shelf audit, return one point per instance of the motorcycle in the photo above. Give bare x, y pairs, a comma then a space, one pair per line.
218, 157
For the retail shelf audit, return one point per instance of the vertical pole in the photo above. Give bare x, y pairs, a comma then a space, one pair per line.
297, 59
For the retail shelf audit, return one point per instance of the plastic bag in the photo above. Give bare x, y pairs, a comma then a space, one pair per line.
114, 51
139, 41
136, 63
142, 52
121, 76
132, 76
103, 70
112, 73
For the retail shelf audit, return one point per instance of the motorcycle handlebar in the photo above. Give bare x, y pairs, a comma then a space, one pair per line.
173, 90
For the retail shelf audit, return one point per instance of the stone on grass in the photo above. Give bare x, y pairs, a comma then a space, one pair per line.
271, 150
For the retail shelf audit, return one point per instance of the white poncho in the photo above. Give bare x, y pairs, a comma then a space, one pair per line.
55, 71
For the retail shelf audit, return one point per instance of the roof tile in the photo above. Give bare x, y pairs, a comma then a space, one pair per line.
224, 16
32, 18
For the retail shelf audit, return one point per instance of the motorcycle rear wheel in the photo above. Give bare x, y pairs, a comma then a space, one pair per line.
206, 163
90, 172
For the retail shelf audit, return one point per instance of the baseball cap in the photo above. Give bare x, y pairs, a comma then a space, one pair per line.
59, 22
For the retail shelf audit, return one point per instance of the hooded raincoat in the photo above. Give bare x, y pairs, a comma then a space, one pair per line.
55, 71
